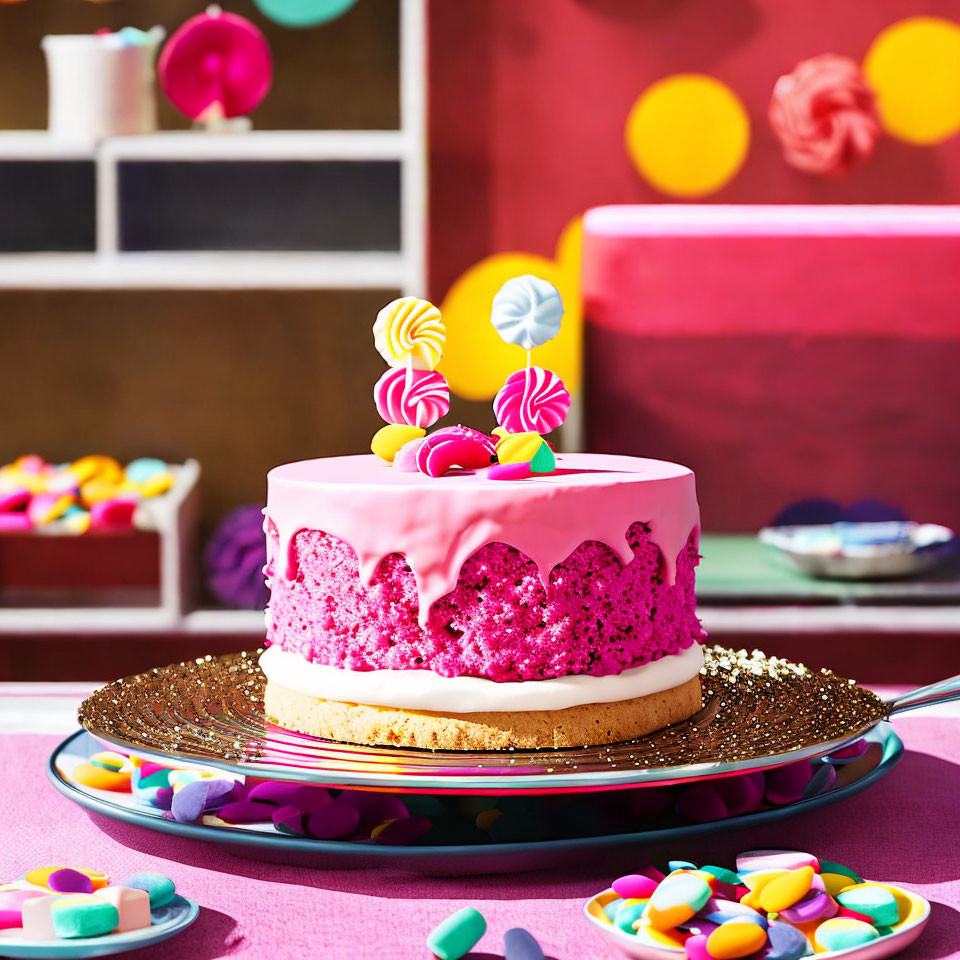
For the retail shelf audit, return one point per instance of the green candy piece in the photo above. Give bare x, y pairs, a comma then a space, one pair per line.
457, 935
874, 902
723, 875
627, 914
543, 460
827, 867
83, 915
160, 888
612, 908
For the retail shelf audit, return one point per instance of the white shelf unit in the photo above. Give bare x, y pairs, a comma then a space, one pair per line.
108, 267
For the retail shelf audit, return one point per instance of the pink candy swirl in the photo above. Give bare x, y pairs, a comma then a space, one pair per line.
532, 400
454, 447
824, 115
418, 398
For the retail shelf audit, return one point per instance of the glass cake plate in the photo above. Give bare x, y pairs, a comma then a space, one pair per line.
759, 712
529, 832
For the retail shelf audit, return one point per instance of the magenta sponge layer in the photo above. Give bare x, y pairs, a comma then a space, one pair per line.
596, 617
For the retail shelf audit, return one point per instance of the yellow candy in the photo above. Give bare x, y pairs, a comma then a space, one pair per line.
735, 939
518, 447
758, 880
784, 891
99, 778
78, 522
96, 490
410, 328
97, 467
39, 876
835, 882
389, 439
669, 917
157, 484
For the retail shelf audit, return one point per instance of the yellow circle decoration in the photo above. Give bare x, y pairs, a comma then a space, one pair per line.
688, 135
914, 68
475, 360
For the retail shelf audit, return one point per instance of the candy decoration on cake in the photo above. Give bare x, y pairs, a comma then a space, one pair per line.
217, 65
418, 398
454, 447
532, 399
410, 332
527, 311
824, 115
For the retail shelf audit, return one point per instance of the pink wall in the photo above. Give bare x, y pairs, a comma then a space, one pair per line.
528, 100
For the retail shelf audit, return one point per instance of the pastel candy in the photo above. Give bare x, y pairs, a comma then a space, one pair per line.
388, 440
405, 459
629, 913
39, 876
133, 907
527, 311
100, 778
192, 799
151, 786
735, 938
451, 447
15, 522
83, 915
304, 796
410, 328
246, 811
36, 920
68, 880
874, 902
97, 467
160, 888
696, 948
786, 890
158, 484
758, 879
457, 935
142, 469
338, 819
786, 942
610, 910
723, 874
14, 499
719, 911
418, 398
816, 905
836, 876
76, 519
786, 784
765, 860
840, 933
45, 507
109, 760
634, 886
520, 944
11, 906
114, 513
677, 899
509, 471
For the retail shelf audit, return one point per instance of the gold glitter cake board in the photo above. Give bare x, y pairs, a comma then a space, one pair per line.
758, 712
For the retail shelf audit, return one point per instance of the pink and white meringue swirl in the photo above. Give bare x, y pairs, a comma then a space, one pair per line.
418, 398
532, 400
825, 115
454, 447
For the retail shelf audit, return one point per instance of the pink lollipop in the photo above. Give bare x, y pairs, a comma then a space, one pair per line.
454, 447
418, 398
216, 65
532, 400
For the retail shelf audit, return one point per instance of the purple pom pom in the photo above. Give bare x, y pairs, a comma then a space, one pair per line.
235, 557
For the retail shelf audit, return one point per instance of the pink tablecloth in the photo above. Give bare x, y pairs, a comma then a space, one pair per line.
905, 829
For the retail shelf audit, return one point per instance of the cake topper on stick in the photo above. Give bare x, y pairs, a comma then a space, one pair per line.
528, 311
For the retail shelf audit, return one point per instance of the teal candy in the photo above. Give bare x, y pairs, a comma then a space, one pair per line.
457, 935
626, 916
680, 865
142, 469
723, 875
160, 888
874, 902
91, 918
827, 867
682, 888
611, 909
854, 934
303, 13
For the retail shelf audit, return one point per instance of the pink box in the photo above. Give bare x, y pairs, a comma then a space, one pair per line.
780, 351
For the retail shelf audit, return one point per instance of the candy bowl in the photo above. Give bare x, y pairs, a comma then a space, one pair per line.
650, 944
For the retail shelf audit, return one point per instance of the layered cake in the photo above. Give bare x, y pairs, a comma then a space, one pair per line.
465, 591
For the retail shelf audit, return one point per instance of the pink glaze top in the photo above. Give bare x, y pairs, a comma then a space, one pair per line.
437, 523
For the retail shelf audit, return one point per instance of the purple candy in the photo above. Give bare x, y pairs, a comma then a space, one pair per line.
786, 784
821, 781
816, 905
290, 820
192, 799
247, 811
716, 911
785, 943
337, 819
66, 880
700, 803
634, 886
853, 751
741, 794
307, 798
400, 832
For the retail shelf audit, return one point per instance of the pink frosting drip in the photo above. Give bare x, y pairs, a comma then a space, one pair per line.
436, 524
824, 115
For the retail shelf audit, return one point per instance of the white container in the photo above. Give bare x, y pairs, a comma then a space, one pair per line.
101, 85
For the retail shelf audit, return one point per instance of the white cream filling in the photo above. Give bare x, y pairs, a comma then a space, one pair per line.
426, 690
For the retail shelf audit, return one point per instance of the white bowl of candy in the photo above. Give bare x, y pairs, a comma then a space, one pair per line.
862, 551
778, 903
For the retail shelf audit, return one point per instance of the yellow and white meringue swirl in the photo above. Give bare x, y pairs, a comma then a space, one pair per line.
410, 328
